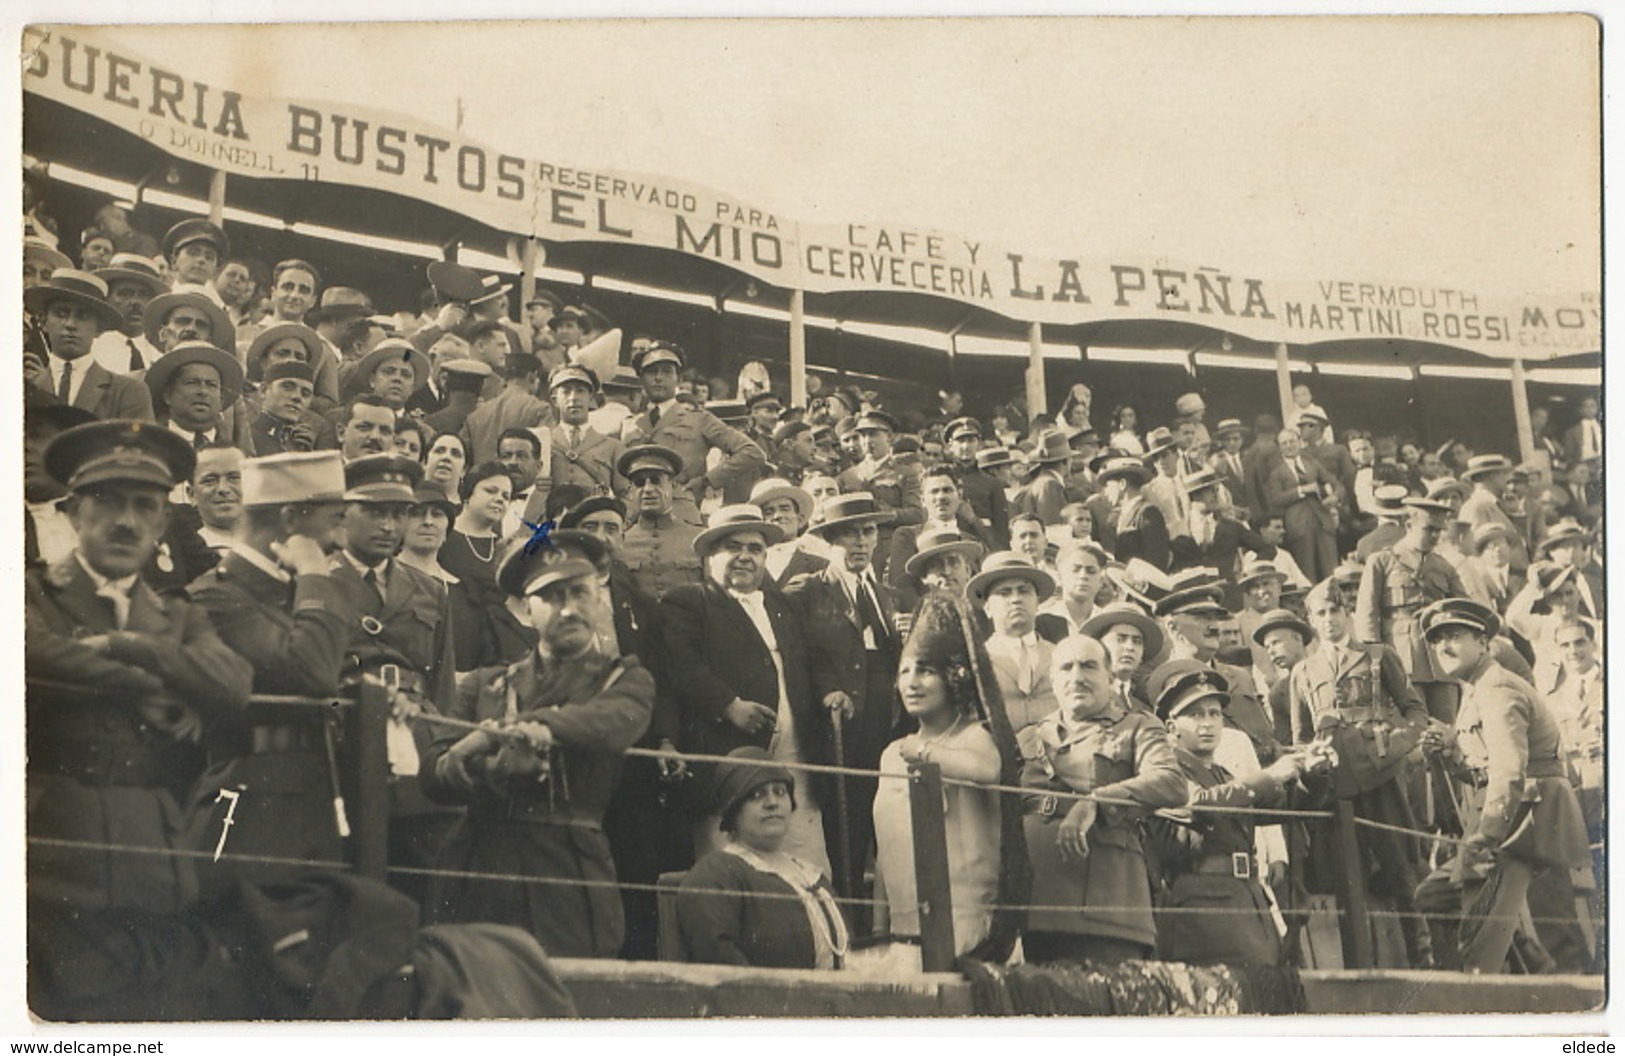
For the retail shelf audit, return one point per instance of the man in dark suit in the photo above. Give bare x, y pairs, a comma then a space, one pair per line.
72, 309
1259, 459
1300, 490
739, 666
125, 679
692, 432
1230, 464
853, 640
790, 508
945, 508
274, 601
1214, 539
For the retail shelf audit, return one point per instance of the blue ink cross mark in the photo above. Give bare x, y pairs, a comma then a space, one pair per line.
539, 536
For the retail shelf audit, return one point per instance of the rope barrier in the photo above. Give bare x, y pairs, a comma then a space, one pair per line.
628, 885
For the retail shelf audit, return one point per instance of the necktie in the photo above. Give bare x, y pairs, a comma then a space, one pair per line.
66, 384
136, 362
869, 612
654, 416
1297, 467
575, 437
1123, 696
199, 441
1026, 667
371, 579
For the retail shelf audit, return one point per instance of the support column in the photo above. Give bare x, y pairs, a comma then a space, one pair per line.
528, 252
1037, 402
1283, 381
1520, 412
217, 199
798, 349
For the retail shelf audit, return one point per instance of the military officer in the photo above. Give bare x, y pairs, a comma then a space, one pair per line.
1397, 584
124, 680
658, 547
693, 432
1522, 818
581, 455
274, 601
1207, 858
402, 638
537, 786
894, 483
1086, 855
981, 488
1361, 703
1191, 615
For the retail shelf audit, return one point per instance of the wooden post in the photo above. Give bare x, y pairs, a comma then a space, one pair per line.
1283, 382
527, 275
1353, 916
953, 361
798, 349
931, 867
1037, 400
1520, 412
370, 818
217, 199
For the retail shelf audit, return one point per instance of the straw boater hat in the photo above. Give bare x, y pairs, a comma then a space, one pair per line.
1312, 414
42, 252
1390, 499
1159, 440
1430, 503
1182, 684
261, 345
293, 476
1199, 480
1106, 617
339, 302
81, 288
221, 332
187, 353
731, 520
360, 379
993, 457
1548, 578
1450, 490
1483, 465
1121, 465
853, 507
1189, 404
1257, 568
1459, 612
1007, 564
1227, 426
133, 267
1278, 618
940, 542
1567, 530
772, 488
1485, 533
125, 451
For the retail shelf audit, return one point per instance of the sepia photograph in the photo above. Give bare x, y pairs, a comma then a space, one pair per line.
1066, 522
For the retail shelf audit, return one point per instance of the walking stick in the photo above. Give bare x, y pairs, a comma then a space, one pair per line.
842, 821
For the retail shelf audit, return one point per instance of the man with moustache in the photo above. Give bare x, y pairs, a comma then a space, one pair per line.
191, 387
132, 282
739, 665
1191, 613
850, 621
538, 775
366, 427
186, 315
274, 601
658, 546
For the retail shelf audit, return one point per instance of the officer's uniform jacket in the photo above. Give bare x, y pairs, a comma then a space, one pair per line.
107, 754
895, 484
1396, 585
1118, 755
409, 626
1209, 863
1362, 701
692, 432
658, 549
986, 496
1512, 752
589, 464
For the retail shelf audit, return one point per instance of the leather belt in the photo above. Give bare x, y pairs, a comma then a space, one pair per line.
1046, 805
1238, 864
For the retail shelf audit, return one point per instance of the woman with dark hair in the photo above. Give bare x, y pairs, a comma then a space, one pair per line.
1126, 430
748, 902
947, 685
411, 438
444, 460
484, 631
